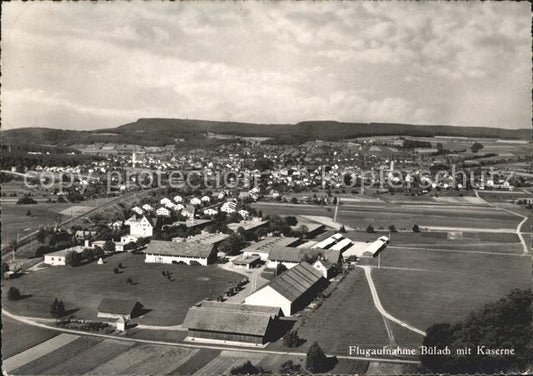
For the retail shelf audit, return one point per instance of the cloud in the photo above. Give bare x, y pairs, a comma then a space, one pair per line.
102, 64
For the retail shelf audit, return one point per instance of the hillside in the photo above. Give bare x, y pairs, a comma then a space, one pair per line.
166, 131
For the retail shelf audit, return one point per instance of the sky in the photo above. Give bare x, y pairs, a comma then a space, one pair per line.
88, 65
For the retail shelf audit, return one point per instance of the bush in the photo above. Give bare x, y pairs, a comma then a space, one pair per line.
370, 229
416, 228
342, 229
392, 228
292, 339
13, 294
116, 270
26, 200
289, 367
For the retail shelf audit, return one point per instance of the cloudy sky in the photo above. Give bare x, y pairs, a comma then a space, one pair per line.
95, 65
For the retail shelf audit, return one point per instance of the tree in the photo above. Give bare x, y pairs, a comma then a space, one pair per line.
58, 308
88, 254
116, 270
129, 280
342, 229
416, 228
42, 250
28, 213
109, 247
292, 339
291, 220
315, 360
476, 146
280, 268
73, 258
503, 324
248, 369
392, 228
13, 293
294, 200
289, 367
233, 244
370, 229
263, 164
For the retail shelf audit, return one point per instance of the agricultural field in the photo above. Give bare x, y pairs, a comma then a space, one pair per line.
17, 337
15, 221
82, 288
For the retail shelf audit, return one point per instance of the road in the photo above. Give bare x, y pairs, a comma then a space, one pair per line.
28, 321
377, 302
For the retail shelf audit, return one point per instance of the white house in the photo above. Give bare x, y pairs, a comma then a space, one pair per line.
291, 291
137, 210
142, 227
147, 208
170, 206
210, 212
178, 199
229, 207
129, 221
164, 201
324, 266
126, 239
244, 213
196, 201
162, 252
178, 207
58, 258
206, 199
163, 212
117, 225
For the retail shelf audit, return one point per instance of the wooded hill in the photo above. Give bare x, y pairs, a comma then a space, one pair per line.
168, 131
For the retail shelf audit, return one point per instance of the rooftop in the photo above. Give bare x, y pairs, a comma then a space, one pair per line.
294, 282
164, 248
267, 244
230, 318
117, 306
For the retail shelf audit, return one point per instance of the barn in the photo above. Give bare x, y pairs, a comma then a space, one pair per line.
113, 308
291, 291
221, 322
162, 252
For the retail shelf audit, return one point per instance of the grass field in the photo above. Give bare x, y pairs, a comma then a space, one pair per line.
453, 283
82, 288
347, 317
402, 216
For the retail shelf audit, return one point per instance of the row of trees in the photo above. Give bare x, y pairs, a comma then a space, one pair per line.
316, 361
